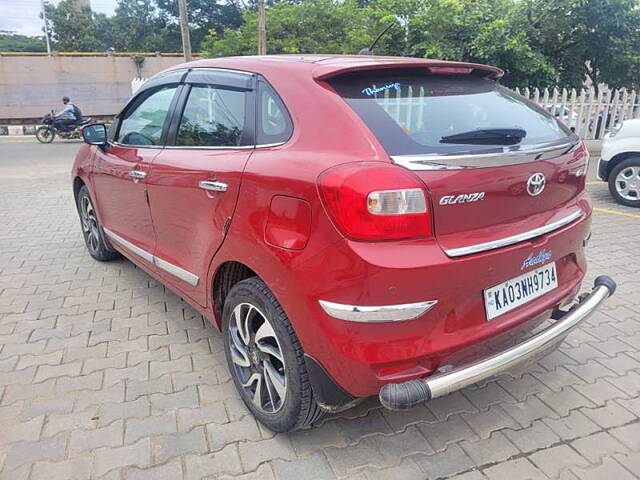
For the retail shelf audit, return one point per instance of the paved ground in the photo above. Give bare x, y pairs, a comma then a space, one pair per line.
105, 374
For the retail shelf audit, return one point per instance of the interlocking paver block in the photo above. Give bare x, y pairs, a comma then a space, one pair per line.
169, 471
110, 436
214, 464
137, 454
609, 469
314, 466
137, 428
168, 446
78, 468
246, 429
521, 469
555, 459
629, 435
444, 464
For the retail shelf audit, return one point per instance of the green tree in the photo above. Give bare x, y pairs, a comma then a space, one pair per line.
311, 26
139, 26
21, 43
205, 15
76, 29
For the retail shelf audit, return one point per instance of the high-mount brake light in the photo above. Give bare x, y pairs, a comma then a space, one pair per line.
450, 70
374, 201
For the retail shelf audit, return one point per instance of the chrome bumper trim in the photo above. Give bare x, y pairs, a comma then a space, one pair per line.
174, 270
521, 237
384, 313
399, 396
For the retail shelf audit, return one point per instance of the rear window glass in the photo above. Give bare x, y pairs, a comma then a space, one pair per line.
414, 114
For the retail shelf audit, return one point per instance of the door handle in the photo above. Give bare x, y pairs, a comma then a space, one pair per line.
137, 174
213, 186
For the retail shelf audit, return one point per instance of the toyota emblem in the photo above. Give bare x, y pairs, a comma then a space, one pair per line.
536, 184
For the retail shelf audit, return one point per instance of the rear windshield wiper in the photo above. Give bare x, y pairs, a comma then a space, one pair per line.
487, 136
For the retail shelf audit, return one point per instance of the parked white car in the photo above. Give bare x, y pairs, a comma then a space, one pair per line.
620, 162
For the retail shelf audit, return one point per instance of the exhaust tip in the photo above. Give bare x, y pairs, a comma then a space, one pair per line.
402, 396
605, 281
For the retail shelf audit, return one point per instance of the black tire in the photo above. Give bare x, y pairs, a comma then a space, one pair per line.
45, 134
94, 237
629, 166
299, 407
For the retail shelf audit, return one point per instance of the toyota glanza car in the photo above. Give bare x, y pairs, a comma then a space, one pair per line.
354, 225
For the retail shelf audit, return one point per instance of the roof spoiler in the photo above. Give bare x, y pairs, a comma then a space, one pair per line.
324, 72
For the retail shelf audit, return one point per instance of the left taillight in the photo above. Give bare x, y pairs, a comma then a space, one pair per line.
373, 201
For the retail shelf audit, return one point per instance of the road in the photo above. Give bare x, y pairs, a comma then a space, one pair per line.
106, 374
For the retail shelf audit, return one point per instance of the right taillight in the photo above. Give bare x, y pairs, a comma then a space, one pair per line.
373, 201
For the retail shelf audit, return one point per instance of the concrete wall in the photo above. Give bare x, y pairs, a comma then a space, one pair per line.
30, 86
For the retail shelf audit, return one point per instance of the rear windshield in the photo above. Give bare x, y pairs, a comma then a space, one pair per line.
414, 114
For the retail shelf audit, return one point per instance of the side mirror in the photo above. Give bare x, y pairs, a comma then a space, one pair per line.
95, 134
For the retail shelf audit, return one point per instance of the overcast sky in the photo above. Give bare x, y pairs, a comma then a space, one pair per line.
22, 16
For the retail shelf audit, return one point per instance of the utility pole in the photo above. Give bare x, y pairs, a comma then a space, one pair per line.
46, 27
184, 29
262, 29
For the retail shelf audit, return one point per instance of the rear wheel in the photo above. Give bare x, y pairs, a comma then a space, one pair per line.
266, 359
45, 134
624, 182
94, 237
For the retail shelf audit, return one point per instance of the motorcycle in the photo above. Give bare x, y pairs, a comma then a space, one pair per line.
48, 131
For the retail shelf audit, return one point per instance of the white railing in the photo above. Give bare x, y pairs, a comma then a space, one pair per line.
591, 114
136, 83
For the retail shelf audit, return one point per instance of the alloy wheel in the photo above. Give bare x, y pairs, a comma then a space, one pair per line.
628, 183
257, 358
89, 223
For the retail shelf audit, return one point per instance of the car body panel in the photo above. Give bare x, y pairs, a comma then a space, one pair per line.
190, 222
359, 357
119, 198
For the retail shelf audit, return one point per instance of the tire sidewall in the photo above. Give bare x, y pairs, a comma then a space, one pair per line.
633, 161
105, 251
52, 134
249, 291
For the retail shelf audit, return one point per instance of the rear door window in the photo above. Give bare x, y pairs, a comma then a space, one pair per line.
412, 113
212, 117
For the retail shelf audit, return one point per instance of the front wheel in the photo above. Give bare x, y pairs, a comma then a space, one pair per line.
45, 134
624, 182
266, 359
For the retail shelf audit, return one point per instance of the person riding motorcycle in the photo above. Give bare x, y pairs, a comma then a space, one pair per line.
68, 116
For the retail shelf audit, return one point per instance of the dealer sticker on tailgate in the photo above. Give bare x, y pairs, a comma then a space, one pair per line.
520, 290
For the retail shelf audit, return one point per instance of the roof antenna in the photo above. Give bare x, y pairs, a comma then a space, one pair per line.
369, 51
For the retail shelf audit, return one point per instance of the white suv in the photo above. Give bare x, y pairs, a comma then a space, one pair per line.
620, 162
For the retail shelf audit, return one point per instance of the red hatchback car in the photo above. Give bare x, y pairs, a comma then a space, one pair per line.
354, 225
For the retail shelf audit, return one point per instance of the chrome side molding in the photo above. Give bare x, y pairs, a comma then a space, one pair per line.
521, 237
508, 156
383, 313
141, 252
174, 270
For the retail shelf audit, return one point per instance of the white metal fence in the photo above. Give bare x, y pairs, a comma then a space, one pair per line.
136, 83
591, 114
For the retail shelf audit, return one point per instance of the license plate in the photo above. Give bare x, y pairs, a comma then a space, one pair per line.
515, 292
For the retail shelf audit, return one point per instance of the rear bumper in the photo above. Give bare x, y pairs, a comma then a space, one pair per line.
400, 396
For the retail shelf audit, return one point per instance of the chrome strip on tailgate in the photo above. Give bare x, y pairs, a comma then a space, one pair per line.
503, 242
508, 156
